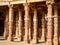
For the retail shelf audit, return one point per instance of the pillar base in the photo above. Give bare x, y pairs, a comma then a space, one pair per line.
5, 37
16, 37
49, 42
9, 39
55, 41
42, 39
34, 41
19, 39
26, 40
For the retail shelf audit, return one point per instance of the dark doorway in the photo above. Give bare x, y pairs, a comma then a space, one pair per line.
1, 24
1, 27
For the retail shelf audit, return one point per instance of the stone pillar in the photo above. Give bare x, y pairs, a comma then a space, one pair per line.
26, 18
55, 39
49, 25
6, 26
30, 29
43, 28
20, 24
17, 29
35, 26
10, 22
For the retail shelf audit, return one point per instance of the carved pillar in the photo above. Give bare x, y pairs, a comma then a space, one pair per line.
43, 28
55, 39
49, 25
30, 29
17, 29
26, 18
6, 26
20, 25
35, 26
10, 22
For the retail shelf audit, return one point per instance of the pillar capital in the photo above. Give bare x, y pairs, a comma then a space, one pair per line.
49, 5
50, 2
26, 6
10, 5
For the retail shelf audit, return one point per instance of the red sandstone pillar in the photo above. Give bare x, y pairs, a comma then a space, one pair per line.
26, 18
49, 25
55, 39
10, 22
35, 26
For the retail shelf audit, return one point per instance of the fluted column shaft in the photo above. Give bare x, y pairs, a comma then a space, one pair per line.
49, 25
10, 22
55, 25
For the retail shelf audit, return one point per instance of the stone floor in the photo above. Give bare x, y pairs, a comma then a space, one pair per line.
5, 42
17, 43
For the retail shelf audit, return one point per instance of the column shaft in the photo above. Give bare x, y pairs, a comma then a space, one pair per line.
30, 29
43, 28
10, 22
55, 26
49, 25
26, 7
17, 29
20, 25
35, 26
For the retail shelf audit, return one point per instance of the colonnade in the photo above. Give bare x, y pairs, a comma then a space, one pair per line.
52, 39
27, 37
